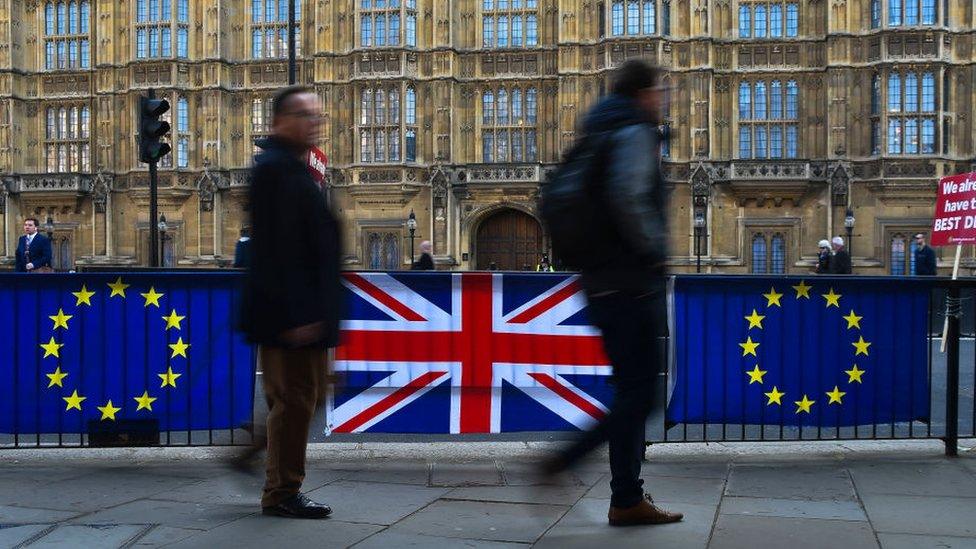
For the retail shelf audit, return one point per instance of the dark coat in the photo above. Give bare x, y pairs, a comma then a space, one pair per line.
425, 263
293, 278
242, 254
925, 261
631, 193
823, 262
40, 252
840, 263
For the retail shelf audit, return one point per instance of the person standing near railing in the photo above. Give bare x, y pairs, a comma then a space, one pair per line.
612, 177
924, 257
840, 262
33, 250
291, 296
426, 260
823, 257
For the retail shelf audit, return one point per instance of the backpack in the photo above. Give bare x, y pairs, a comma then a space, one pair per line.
573, 209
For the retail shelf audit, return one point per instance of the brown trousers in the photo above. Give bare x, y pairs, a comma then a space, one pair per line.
295, 386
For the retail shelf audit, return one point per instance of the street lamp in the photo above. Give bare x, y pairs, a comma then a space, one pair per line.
162, 239
699, 232
412, 227
49, 228
849, 224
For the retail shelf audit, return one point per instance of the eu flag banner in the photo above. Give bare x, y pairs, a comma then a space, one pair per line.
467, 353
76, 348
819, 351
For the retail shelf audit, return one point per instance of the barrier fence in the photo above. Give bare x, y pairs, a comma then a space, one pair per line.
152, 358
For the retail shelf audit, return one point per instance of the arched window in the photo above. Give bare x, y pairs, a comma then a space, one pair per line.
792, 93
66, 134
506, 24
759, 254
778, 263
759, 22
897, 251
745, 17
508, 130
745, 101
776, 21
617, 18
49, 19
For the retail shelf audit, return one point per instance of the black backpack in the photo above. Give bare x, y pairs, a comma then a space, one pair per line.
573, 208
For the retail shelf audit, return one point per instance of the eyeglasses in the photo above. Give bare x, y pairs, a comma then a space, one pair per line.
309, 115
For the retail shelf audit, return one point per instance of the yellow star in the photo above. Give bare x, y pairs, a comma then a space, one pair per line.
118, 288
749, 348
775, 396
179, 348
755, 320
60, 320
173, 320
853, 321
861, 346
108, 411
51, 348
56, 377
803, 405
74, 401
756, 375
145, 401
854, 374
832, 298
835, 395
802, 290
169, 378
83, 296
772, 298
152, 297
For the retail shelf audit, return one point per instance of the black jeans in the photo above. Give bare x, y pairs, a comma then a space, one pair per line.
630, 325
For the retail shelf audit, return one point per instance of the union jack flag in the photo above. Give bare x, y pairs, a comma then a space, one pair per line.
467, 353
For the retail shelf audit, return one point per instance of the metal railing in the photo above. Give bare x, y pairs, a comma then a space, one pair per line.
951, 377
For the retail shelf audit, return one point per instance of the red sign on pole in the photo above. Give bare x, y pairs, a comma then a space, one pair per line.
955, 211
317, 161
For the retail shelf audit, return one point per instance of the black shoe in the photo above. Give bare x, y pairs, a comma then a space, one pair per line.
298, 506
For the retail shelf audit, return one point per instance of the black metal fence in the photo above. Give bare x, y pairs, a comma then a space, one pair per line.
951, 378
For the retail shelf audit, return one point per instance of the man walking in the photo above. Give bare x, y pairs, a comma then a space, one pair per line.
426, 260
242, 250
33, 250
291, 295
924, 257
624, 285
840, 262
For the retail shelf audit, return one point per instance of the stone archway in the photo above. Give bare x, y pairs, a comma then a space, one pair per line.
508, 240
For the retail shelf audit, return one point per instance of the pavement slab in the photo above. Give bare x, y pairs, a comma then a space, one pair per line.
262, 531
387, 473
705, 491
951, 516
918, 478
92, 491
559, 495
198, 516
465, 474
14, 535
744, 532
912, 541
511, 522
72, 536
164, 535
374, 503
10, 514
585, 526
793, 508
825, 482
398, 540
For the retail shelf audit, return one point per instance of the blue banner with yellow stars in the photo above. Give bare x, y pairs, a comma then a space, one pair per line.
76, 348
824, 352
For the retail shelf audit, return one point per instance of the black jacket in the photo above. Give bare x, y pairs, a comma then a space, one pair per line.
925, 261
823, 263
425, 263
40, 252
293, 277
242, 253
631, 192
840, 263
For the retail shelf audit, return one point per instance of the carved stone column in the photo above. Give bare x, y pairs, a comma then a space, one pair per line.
101, 217
440, 209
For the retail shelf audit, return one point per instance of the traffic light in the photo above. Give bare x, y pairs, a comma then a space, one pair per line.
151, 128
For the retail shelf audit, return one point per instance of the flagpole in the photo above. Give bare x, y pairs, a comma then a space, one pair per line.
955, 275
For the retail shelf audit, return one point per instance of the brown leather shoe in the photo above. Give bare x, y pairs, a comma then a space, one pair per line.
644, 512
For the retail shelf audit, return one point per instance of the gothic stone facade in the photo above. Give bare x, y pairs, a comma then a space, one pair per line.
784, 114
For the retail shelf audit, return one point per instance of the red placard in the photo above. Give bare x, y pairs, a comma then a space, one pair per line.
317, 161
955, 211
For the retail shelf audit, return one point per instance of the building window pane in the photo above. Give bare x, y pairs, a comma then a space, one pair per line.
776, 21
411, 146
897, 256
745, 99
49, 19
911, 12
791, 141
380, 30
759, 23
894, 93
488, 108
911, 92
501, 149
394, 140
745, 142
502, 107
791, 99
530, 106
62, 19
411, 106
928, 136
792, 20
487, 147
875, 137
928, 92
411, 30
488, 31
778, 249
394, 35
928, 15
758, 254
894, 136
776, 142
181, 42
759, 108
911, 136
617, 19
516, 30
760, 148
183, 152
744, 22
776, 100
531, 31
633, 18
894, 13
649, 17
503, 31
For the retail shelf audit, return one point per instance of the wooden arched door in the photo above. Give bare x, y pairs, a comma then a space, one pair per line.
509, 240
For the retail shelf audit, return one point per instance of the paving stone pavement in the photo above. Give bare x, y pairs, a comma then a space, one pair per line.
886, 499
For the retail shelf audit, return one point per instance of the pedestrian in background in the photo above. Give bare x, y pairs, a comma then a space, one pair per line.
823, 257
426, 260
924, 257
242, 251
622, 258
292, 295
840, 262
544, 266
33, 253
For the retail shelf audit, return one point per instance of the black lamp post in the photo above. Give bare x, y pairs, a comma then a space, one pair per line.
849, 225
162, 239
412, 227
699, 233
